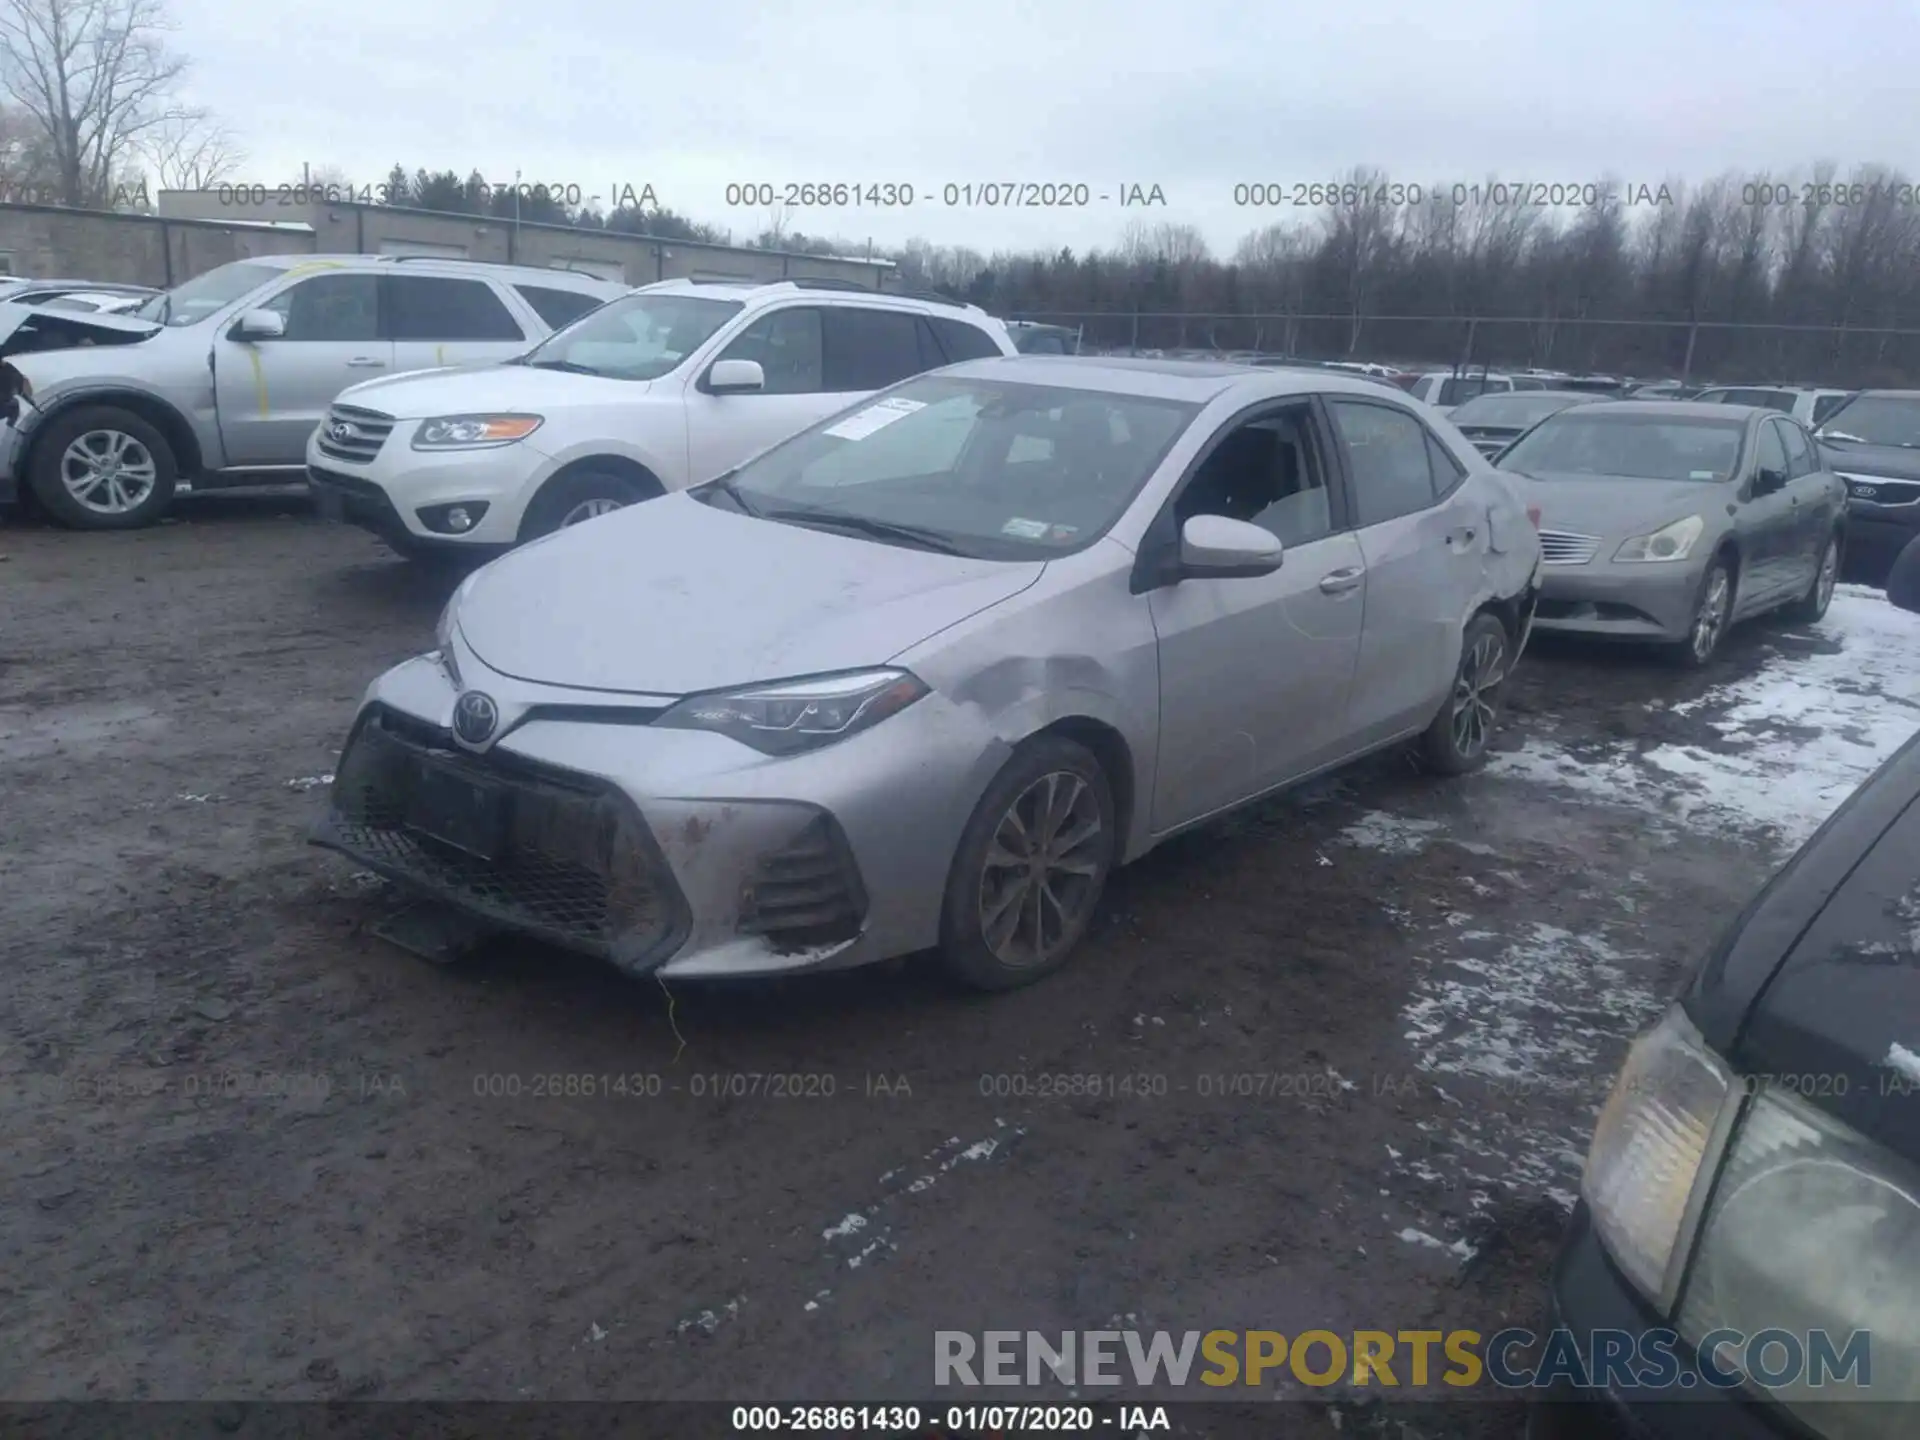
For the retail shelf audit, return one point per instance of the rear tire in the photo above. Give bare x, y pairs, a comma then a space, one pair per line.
99, 467
1456, 742
580, 496
1812, 606
1712, 615
1030, 868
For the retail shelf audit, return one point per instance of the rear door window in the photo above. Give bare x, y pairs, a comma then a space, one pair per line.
438, 309
962, 341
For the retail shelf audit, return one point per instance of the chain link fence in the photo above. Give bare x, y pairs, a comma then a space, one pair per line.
1693, 351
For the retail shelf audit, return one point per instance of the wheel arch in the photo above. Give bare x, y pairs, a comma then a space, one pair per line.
621, 465
1115, 755
161, 414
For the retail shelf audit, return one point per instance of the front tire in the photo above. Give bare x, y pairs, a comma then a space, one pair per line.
99, 467
1712, 614
580, 496
1030, 868
1456, 742
1812, 606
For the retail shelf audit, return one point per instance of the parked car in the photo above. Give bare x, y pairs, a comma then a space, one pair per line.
19, 290
1757, 1167
220, 381
1873, 443
922, 675
1662, 390
1670, 521
1444, 389
1031, 338
1807, 404
671, 385
108, 302
1493, 422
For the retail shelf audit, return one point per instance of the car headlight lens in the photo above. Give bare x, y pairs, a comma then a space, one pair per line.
1812, 1229
1654, 1134
791, 716
1670, 542
473, 432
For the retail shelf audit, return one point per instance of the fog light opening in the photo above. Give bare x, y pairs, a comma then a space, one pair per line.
454, 519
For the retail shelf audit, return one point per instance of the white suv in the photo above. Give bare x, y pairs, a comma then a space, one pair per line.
670, 385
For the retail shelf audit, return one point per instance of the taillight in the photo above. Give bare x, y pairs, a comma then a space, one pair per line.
1533, 514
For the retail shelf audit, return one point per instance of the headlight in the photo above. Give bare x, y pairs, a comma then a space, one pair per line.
1671, 542
789, 716
473, 432
1813, 1228
443, 640
1656, 1130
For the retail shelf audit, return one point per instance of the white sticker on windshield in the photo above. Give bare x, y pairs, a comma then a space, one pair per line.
1703, 474
877, 416
1026, 529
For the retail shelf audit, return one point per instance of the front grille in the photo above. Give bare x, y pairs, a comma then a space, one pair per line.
1882, 489
807, 893
1563, 547
364, 432
571, 861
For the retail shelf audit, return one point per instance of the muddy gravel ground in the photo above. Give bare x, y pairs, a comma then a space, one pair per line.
1329, 1064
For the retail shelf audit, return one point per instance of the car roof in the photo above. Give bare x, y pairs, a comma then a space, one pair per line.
749, 292
1194, 381
1680, 409
438, 264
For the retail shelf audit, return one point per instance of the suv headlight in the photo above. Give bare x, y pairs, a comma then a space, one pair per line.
1657, 1129
474, 432
1670, 542
791, 716
1812, 1229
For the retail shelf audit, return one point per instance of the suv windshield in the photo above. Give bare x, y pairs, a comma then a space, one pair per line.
1635, 447
206, 294
1510, 410
988, 469
637, 337
1876, 420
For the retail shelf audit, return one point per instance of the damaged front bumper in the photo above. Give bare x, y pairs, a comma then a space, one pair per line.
663, 851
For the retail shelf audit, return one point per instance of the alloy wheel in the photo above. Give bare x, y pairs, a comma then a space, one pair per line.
108, 471
1475, 692
1042, 870
590, 509
1711, 618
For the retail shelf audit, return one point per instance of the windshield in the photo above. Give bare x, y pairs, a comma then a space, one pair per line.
637, 337
206, 294
988, 469
1514, 411
1457, 390
1876, 420
1635, 447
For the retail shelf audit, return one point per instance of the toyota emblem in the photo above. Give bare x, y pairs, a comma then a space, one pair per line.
475, 717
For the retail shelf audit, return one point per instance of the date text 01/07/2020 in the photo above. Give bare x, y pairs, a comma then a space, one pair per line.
1576, 194
617, 195
970, 194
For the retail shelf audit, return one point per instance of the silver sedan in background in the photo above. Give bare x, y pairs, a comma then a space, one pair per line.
1671, 520
922, 675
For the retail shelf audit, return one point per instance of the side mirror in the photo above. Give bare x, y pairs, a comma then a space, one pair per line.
1214, 547
736, 377
1766, 482
259, 325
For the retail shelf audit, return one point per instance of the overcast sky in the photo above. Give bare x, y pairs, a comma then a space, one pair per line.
1191, 95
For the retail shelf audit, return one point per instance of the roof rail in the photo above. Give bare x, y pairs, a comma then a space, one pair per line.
501, 265
810, 283
934, 297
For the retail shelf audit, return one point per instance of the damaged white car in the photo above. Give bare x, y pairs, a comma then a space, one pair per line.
922, 675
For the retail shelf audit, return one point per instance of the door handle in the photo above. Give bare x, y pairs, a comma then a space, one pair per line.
1337, 581
366, 362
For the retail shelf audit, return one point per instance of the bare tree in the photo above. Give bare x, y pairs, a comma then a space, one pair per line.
98, 80
189, 153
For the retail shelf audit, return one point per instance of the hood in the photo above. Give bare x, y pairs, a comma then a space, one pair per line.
471, 389
25, 329
674, 596
1895, 460
1843, 1000
1619, 505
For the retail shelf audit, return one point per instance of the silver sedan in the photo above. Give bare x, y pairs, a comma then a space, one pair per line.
922, 675
1670, 521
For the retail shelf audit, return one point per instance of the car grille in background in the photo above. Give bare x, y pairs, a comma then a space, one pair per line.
575, 864
1563, 547
350, 433
807, 893
1882, 489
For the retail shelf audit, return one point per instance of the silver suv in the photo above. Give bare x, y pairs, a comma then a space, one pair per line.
109, 428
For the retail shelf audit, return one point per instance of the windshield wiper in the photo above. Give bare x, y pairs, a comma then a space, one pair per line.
866, 525
572, 367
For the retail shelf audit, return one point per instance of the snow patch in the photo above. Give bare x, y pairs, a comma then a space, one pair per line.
1906, 1061
1390, 834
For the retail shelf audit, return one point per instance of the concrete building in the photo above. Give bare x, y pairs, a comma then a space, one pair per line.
195, 230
